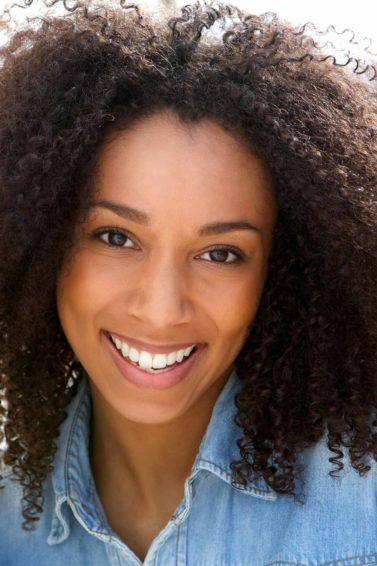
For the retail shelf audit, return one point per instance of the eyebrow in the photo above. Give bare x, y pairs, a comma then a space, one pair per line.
140, 217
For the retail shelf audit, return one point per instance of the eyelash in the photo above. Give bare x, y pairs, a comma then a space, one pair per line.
230, 249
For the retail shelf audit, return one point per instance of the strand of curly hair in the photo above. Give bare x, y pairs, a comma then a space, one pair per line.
309, 363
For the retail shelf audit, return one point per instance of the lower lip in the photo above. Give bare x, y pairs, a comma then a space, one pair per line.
144, 379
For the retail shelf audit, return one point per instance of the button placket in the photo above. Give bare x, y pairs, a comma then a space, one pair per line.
181, 544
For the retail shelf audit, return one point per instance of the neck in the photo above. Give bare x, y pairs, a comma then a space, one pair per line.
146, 457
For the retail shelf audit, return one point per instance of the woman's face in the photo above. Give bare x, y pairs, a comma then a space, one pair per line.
187, 268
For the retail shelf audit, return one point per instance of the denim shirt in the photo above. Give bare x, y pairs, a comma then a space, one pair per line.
215, 524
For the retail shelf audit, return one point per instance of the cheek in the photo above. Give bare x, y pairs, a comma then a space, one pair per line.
82, 290
235, 307
93, 288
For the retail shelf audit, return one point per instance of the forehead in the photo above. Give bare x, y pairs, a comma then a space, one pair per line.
164, 134
200, 168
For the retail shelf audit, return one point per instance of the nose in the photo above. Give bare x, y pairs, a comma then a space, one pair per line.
160, 298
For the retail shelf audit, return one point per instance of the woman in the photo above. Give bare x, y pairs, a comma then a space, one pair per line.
188, 308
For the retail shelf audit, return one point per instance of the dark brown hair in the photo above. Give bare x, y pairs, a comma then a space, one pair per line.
309, 362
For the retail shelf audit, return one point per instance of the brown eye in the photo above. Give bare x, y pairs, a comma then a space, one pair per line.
219, 255
222, 255
115, 238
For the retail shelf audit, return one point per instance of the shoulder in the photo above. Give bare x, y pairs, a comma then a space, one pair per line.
342, 503
10, 488
17, 545
334, 522
11, 494
318, 461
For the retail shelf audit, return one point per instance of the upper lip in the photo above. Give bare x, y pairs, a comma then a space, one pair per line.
152, 348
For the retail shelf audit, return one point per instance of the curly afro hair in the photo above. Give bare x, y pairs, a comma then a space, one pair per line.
309, 364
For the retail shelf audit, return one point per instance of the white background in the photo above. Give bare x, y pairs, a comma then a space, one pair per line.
360, 16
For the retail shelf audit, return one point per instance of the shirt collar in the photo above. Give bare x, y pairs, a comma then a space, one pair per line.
72, 478
73, 481
219, 444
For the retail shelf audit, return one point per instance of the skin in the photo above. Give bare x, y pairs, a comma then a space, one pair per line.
162, 286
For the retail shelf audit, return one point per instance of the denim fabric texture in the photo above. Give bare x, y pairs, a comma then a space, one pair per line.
215, 524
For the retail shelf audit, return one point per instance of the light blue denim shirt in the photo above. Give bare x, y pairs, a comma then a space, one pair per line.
214, 525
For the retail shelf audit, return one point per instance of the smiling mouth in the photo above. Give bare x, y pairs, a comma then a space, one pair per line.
145, 361
147, 377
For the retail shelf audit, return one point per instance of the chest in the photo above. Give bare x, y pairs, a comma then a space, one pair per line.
220, 526
138, 524
139, 533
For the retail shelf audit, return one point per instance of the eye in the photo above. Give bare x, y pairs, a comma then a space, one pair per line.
114, 238
221, 255
117, 238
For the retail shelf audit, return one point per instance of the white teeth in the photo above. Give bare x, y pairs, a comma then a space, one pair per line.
172, 358
148, 361
159, 361
124, 347
180, 355
145, 360
133, 355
